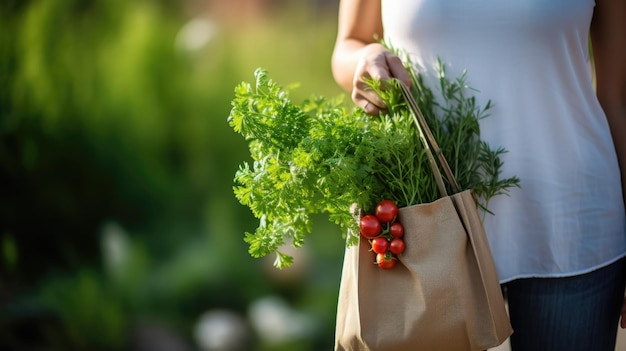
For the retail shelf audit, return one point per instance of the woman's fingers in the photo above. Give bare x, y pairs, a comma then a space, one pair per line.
368, 100
376, 63
363, 94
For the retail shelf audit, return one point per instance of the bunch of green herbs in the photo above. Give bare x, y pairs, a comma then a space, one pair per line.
320, 156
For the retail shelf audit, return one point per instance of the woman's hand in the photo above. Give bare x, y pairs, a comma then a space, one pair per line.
358, 56
375, 62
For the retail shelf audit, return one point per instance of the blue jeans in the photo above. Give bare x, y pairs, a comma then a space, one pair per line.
573, 313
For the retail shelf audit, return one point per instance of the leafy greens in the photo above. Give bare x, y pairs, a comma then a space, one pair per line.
321, 157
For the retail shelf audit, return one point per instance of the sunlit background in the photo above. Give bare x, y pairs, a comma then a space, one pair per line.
119, 229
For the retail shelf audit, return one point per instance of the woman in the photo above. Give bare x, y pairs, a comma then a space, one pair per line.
559, 241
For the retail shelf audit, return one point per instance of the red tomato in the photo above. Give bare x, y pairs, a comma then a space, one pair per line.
385, 261
380, 245
397, 246
396, 229
386, 211
370, 226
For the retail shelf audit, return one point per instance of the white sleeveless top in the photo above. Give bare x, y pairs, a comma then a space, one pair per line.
530, 58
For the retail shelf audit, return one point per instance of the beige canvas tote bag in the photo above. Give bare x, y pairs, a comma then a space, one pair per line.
442, 295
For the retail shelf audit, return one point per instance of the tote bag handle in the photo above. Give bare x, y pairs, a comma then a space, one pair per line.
430, 144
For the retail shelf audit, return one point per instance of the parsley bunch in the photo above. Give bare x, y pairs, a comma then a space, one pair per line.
321, 157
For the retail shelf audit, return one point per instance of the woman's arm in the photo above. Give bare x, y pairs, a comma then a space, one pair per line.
608, 42
357, 54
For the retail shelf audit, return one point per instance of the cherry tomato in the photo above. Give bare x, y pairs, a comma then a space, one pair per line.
380, 245
386, 211
385, 261
397, 246
370, 226
396, 229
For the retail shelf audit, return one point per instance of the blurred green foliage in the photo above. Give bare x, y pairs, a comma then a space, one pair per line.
116, 165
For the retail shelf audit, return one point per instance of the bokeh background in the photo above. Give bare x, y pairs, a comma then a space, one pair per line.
119, 229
